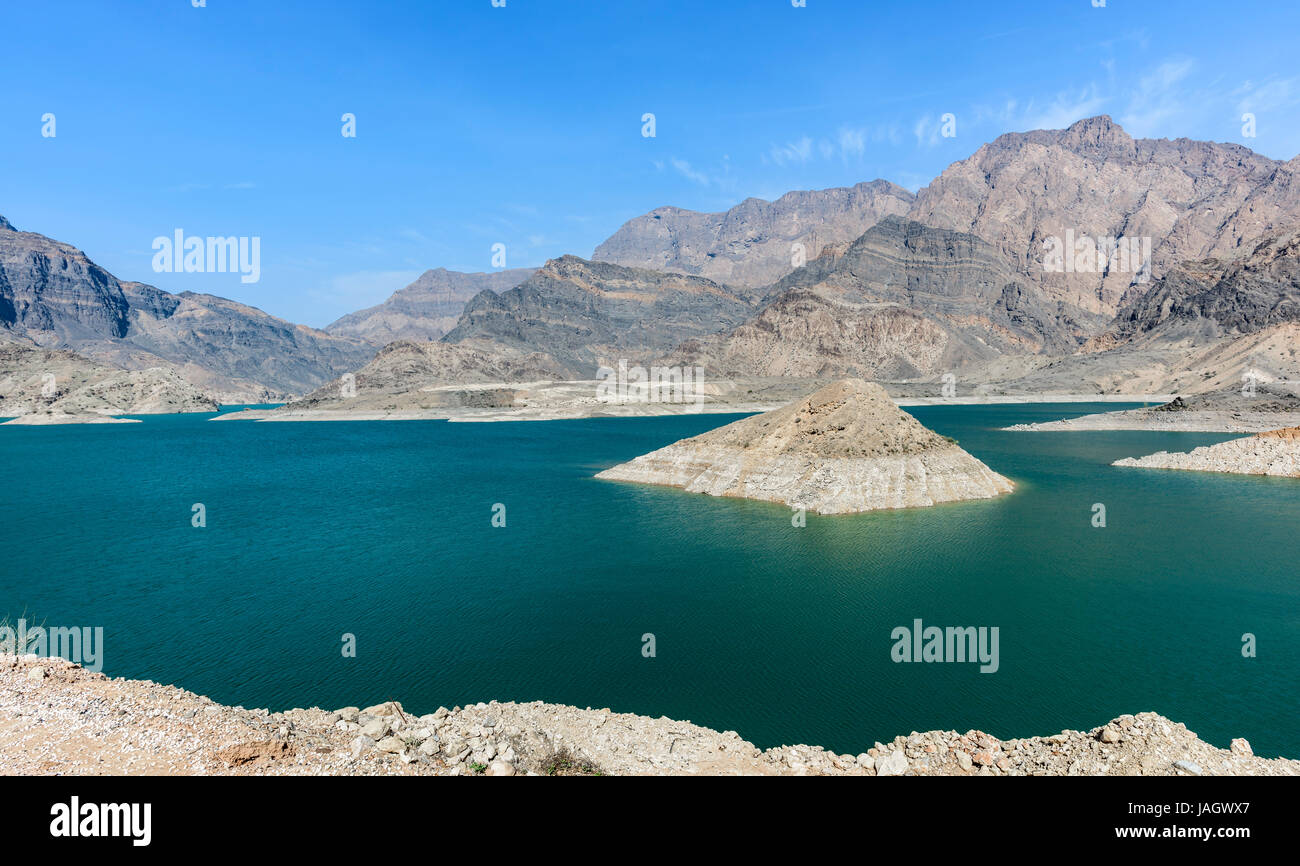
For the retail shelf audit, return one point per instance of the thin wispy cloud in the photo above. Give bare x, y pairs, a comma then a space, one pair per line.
927, 131
796, 152
413, 235
1159, 98
1268, 96
718, 179
853, 143
849, 143
1063, 109
692, 174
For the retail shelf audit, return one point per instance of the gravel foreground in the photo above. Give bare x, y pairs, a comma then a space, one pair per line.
59, 719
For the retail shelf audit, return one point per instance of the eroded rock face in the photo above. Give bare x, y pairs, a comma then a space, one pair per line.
1204, 300
407, 375
751, 244
585, 314
51, 386
904, 300
1192, 198
51, 287
1275, 452
53, 295
804, 335
426, 309
846, 448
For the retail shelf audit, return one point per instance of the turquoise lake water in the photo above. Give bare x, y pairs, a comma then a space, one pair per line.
383, 530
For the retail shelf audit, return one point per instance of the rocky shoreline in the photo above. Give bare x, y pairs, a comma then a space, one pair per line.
1205, 421
1276, 452
58, 718
1224, 411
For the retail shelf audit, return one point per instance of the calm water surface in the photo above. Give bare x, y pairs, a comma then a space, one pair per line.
382, 530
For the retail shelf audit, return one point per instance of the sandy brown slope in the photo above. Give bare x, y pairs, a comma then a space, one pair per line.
56, 717
845, 448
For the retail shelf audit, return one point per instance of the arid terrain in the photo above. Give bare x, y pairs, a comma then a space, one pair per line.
57, 718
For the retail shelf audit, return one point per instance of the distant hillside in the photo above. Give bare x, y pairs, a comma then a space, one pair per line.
1212, 298
584, 314
751, 244
34, 380
54, 296
426, 309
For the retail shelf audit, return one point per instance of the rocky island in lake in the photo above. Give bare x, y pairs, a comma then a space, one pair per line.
846, 448
1275, 452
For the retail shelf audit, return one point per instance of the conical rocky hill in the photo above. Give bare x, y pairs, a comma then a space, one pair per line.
844, 449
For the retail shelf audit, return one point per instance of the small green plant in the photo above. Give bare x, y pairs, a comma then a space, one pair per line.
8, 644
478, 768
562, 763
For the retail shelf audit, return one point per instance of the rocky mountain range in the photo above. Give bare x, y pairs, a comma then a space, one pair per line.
586, 314
53, 295
426, 309
869, 281
751, 245
1192, 198
902, 301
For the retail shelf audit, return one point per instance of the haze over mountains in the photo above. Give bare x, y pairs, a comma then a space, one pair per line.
426, 309
868, 280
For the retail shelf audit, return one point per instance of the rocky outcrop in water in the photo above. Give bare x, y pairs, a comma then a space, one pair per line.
1274, 452
846, 448
1227, 410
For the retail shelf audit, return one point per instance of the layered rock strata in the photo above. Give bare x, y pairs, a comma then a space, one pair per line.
847, 448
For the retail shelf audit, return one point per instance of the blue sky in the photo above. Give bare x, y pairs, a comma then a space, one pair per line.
522, 125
